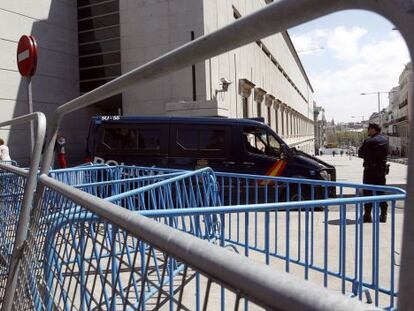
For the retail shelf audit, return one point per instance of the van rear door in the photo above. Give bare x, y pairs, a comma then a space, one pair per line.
194, 146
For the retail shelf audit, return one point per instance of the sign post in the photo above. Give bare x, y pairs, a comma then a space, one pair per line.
26, 62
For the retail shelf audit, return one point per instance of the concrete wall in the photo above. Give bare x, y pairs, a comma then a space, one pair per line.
150, 29
54, 25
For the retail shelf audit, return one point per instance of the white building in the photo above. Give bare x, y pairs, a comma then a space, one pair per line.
86, 43
400, 105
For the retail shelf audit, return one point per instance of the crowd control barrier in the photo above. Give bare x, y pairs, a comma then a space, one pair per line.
83, 252
17, 188
312, 228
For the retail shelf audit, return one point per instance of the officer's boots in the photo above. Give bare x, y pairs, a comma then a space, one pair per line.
368, 217
383, 216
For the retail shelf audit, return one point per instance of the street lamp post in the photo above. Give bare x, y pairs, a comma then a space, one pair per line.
379, 102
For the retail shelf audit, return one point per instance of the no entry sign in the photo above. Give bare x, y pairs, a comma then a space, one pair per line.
27, 56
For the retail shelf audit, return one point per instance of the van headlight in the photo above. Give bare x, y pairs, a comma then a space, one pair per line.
324, 175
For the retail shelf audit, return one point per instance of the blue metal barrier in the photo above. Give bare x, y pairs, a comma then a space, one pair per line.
61, 230
271, 216
11, 195
98, 255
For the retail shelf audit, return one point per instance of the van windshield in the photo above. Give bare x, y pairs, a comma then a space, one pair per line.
259, 141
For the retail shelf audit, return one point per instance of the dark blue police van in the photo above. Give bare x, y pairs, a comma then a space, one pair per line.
226, 145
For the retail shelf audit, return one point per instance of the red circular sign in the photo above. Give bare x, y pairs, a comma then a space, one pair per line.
27, 56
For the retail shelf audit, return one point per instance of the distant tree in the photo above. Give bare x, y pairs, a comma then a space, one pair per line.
350, 138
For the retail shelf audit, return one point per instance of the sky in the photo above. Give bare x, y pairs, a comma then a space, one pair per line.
349, 53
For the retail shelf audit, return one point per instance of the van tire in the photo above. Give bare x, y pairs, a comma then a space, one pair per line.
294, 196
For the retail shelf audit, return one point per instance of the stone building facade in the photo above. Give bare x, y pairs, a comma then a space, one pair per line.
86, 43
400, 105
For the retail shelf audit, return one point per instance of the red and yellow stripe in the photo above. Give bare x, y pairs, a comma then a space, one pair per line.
277, 168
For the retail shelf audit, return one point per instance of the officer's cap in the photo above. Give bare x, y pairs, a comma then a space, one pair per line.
374, 126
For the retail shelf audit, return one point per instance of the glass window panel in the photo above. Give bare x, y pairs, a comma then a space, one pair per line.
149, 140
99, 34
103, 72
119, 138
212, 140
274, 147
107, 46
255, 140
94, 10
90, 85
108, 20
245, 107
88, 2
110, 58
187, 139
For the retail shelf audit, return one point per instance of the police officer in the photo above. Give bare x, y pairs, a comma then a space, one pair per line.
374, 151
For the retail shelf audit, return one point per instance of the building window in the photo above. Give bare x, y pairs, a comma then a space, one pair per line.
287, 123
99, 48
245, 102
269, 117
276, 121
259, 110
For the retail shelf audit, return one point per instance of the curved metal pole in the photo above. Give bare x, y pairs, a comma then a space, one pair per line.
24, 216
273, 18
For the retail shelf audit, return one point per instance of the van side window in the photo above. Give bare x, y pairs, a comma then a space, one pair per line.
149, 140
258, 141
187, 139
129, 139
274, 145
120, 138
209, 141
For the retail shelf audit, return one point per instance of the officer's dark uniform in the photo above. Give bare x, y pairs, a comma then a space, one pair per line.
374, 151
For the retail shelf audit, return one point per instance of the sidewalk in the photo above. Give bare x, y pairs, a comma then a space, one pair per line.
350, 170
399, 160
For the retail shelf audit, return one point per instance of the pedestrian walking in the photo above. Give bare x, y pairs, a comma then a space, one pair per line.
4, 151
333, 153
374, 151
60, 148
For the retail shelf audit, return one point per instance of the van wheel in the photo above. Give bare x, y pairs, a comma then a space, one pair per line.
303, 196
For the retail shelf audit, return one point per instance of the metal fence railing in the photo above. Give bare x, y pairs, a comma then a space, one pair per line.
274, 220
11, 197
17, 188
97, 255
